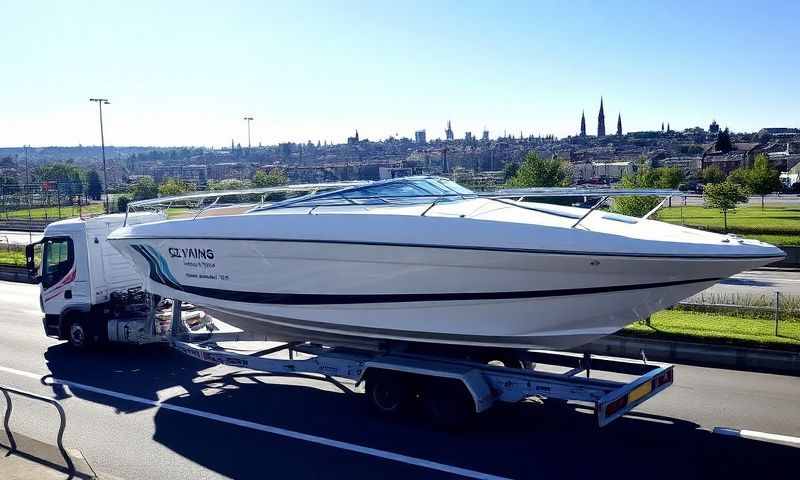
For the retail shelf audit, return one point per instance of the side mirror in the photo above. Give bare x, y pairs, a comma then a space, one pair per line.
30, 258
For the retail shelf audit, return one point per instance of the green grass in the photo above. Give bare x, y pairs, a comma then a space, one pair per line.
777, 224
53, 212
14, 257
719, 329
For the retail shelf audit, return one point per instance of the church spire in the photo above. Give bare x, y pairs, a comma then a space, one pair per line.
619, 125
601, 121
583, 124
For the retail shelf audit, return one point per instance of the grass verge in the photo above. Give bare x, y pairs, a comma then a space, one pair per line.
718, 329
14, 257
777, 224
54, 212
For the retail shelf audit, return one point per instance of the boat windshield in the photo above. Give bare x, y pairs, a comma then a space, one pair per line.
409, 190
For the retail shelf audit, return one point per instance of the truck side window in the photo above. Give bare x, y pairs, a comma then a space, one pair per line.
58, 260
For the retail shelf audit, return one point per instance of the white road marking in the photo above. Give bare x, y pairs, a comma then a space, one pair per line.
265, 428
754, 435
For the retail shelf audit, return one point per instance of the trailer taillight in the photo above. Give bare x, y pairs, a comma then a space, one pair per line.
663, 379
617, 404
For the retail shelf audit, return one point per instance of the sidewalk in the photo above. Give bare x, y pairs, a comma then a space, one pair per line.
35, 460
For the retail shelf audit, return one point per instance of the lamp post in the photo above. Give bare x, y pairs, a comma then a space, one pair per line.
27, 177
100, 103
249, 119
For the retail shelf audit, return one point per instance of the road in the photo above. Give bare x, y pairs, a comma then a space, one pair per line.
759, 282
19, 238
163, 415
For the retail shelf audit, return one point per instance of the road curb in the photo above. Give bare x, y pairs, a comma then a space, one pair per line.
737, 358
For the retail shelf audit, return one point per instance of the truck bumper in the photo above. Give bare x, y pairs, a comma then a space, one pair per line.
52, 326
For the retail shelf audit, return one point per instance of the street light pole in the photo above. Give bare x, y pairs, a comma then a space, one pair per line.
27, 177
249, 119
100, 102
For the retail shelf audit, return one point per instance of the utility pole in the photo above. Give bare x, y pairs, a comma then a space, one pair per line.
27, 178
100, 103
249, 119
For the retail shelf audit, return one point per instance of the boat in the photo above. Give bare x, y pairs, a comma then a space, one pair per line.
425, 260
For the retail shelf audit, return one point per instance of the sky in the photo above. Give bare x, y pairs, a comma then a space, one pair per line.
186, 72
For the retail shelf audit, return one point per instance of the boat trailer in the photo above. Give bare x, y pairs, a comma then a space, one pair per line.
449, 388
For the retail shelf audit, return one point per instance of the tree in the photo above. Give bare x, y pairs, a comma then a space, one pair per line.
712, 174
723, 143
646, 177
144, 188
94, 189
762, 179
669, 177
739, 177
537, 172
172, 187
510, 170
68, 176
725, 197
274, 178
228, 184
122, 203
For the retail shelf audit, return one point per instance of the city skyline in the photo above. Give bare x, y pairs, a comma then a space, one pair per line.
186, 74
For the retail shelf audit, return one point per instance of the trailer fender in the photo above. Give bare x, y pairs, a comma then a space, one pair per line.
473, 381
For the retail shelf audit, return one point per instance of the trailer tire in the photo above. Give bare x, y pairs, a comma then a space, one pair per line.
78, 334
448, 404
388, 393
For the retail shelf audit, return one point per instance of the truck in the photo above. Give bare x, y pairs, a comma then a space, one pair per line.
91, 294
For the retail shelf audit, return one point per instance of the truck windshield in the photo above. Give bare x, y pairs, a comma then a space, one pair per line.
57, 260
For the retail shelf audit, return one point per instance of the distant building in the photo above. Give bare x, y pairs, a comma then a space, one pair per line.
780, 132
619, 125
353, 140
419, 137
468, 137
192, 174
225, 170
449, 132
485, 136
601, 121
583, 124
713, 128
606, 170
385, 173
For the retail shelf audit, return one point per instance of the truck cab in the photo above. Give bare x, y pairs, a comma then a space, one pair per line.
82, 277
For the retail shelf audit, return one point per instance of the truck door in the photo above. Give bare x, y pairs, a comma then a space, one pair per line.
58, 273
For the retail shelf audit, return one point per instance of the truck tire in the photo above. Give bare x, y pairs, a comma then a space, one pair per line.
388, 393
78, 335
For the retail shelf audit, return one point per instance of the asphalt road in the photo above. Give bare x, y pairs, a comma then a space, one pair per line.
759, 282
144, 424
19, 238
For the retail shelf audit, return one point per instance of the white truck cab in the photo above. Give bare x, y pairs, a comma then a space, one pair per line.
83, 279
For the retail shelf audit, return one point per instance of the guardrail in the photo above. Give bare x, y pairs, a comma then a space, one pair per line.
62, 426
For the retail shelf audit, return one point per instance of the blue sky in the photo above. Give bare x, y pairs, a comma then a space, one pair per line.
184, 73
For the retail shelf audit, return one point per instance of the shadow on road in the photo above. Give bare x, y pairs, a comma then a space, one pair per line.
521, 441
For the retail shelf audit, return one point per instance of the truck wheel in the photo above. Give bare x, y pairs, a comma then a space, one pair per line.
77, 334
388, 393
448, 404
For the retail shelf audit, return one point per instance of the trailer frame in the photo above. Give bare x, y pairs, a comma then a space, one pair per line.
455, 379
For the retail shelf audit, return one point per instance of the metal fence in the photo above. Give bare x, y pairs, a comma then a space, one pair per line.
40, 202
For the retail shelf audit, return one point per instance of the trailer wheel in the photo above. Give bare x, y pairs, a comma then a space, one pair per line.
388, 393
78, 335
447, 403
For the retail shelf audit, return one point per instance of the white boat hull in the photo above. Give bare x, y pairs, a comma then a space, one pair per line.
424, 293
